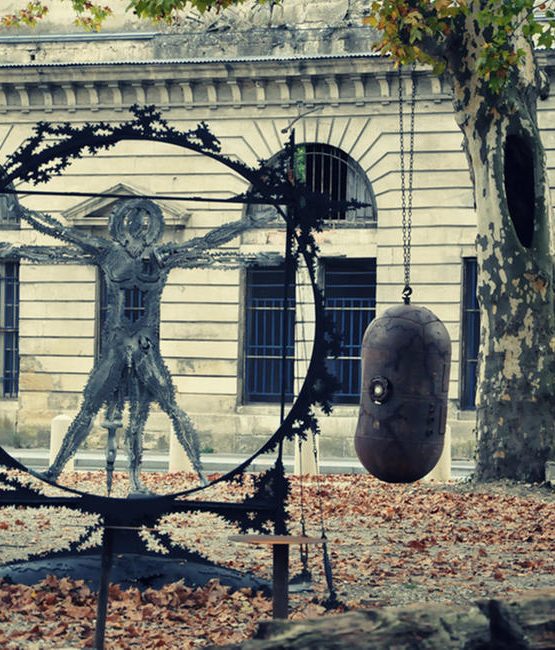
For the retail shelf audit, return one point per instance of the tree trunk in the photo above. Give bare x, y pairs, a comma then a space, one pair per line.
515, 404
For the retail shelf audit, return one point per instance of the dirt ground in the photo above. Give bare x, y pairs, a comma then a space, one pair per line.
388, 545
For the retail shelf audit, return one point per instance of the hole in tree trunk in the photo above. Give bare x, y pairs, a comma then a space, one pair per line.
519, 187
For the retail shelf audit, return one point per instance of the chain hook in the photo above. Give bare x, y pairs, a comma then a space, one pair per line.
407, 177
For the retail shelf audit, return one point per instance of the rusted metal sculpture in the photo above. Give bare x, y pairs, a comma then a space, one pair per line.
130, 366
406, 355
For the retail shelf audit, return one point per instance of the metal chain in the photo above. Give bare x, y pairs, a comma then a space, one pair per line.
303, 548
406, 184
332, 601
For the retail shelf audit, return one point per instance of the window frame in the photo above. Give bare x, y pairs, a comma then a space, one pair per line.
353, 361
10, 379
470, 316
9, 218
363, 217
250, 352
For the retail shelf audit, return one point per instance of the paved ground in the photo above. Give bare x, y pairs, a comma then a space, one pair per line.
158, 461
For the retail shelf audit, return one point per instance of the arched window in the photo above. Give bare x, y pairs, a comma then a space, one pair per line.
331, 171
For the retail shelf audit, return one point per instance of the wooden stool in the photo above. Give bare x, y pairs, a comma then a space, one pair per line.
280, 570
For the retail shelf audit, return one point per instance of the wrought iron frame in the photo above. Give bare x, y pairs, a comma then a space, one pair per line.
37, 160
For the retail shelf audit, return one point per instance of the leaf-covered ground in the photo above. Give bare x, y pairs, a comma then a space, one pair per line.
389, 545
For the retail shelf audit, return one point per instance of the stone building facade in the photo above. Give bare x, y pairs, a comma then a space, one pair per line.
248, 87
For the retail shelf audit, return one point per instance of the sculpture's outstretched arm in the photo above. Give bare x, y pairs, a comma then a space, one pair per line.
44, 254
48, 225
223, 259
174, 255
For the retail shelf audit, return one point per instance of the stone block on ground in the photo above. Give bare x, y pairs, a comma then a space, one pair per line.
524, 621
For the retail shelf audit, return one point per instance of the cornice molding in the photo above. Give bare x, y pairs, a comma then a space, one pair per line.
204, 85
259, 83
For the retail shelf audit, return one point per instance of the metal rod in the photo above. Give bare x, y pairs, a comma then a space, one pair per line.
104, 587
153, 197
286, 281
111, 452
280, 581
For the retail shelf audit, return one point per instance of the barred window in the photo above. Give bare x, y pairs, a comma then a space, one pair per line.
134, 307
470, 334
264, 336
9, 328
350, 303
331, 171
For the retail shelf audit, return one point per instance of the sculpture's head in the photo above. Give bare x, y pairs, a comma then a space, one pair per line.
136, 224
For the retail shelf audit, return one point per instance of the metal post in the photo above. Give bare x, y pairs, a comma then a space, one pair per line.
288, 273
280, 584
103, 587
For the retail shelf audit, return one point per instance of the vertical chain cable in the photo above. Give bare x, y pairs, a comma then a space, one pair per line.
332, 600
407, 184
303, 548
406, 297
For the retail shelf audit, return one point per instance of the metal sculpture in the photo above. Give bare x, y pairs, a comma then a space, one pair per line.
50, 150
142, 265
130, 365
406, 355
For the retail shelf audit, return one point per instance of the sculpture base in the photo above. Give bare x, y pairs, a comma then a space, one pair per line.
131, 570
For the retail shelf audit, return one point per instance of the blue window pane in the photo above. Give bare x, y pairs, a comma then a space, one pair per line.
134, 307
8, 210
9, 328
350, 303
133, 310
470, 333
265, 336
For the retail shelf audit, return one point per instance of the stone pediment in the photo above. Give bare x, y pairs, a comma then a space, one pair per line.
95, 211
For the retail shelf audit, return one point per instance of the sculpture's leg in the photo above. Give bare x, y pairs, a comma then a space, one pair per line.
114, 408
112, 422
139, 406
101, 385
156, 378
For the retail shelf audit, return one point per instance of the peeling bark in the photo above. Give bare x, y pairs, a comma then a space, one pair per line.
515, 285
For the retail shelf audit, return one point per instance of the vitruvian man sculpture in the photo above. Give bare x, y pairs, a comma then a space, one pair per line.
130, 365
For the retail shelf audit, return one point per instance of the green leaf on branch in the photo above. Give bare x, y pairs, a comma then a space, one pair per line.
418, 31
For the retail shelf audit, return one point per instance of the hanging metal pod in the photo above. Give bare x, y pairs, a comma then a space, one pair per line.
406, 356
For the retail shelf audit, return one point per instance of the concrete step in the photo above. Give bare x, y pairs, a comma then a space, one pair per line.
153, 461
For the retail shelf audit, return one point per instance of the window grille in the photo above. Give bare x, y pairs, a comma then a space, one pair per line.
264, 336
331, 171
134, 304
134, 307
9, 328
470, 334
350, 303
